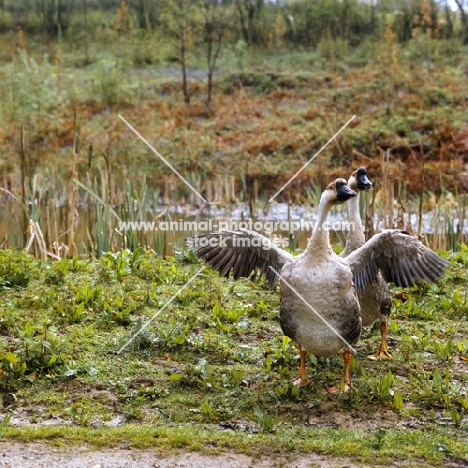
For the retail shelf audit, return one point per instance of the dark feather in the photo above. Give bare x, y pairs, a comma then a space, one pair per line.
401, 259
242, 253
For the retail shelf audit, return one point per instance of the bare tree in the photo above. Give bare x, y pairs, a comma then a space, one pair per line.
148, 12
463, 18
181, 18
215, 25
56, 14
249, 14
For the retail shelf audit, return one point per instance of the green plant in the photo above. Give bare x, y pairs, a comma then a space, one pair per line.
39, 351
120, 264
381, 388
56, 272
379, 438
14, 268
79, 414
265, 421
110, 81
87, 294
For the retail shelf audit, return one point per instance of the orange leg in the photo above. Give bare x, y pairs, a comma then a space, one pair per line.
347, 364
382, 352
302, 380
347, 380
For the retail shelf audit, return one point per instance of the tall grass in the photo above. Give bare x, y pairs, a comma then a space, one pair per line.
439, 221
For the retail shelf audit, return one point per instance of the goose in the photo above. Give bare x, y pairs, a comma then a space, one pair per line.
376, 299
319, 308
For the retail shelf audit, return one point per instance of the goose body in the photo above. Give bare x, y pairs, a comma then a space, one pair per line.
325, 283
319, 308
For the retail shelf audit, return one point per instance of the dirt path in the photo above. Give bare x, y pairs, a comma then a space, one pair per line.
41, 455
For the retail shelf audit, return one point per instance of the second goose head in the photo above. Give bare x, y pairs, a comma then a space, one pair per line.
359, 180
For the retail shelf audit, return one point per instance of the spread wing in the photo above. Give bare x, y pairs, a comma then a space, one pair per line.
244, 253
401, 258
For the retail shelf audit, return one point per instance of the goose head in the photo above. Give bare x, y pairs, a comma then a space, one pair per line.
337, 192
359, 180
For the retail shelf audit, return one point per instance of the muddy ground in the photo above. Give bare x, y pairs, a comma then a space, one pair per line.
41, 455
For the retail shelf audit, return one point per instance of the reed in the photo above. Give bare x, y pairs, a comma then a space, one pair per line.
159, 243
24, 171
105, 221
73, 194
134, 209
49, 224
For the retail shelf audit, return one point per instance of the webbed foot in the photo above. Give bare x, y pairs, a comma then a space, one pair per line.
380, 354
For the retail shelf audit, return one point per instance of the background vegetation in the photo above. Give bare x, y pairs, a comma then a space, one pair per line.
237, 95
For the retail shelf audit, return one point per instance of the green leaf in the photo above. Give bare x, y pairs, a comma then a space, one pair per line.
10, 357
437, 380
397, 400
51, 361
6, 420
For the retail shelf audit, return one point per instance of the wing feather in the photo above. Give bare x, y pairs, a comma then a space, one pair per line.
401, 258
229, 261
241, 253
236, 267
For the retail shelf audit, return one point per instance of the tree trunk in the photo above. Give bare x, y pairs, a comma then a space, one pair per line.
244, 29
86, 31
183, 63
464, 20
214, 32
142, 14
448, 30
249, 14
209, 59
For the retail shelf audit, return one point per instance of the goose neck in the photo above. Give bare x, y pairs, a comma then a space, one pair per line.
354, 218
319, 243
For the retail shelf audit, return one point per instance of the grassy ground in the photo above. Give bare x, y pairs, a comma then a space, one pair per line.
212, 371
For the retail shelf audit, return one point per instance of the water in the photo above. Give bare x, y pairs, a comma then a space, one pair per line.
167, 226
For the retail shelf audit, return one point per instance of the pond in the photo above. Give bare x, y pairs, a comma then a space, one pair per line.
163, 228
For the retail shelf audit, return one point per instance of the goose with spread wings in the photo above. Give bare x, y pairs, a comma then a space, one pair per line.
319, 308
